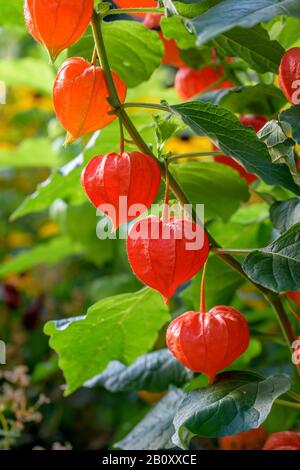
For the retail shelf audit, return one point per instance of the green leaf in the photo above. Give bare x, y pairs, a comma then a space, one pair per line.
153, 372
276, 267
291, 117
46, 253
121, 328
288, 32
156, 429
177, 25
85, 233
253, 46
235, 140
36, 152
60, 185
242, 362
202, 181
258, 99
174, 28
236, 403
285, 214
245, 13
243, 235
11, 13
64, 183
134, 51
191, 8
34, 73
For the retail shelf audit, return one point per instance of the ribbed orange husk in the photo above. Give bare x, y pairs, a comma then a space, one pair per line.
57, 24
80, 97
289, 74
133, 175
286, 440
136, 4
208, 342
163, 261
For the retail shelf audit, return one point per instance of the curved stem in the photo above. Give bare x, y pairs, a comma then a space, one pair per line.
122, 140
202, 290
158, 106
165, 215
284, 322
174, 186
98, 38
125, 11
288, 404
232, 251
293, 395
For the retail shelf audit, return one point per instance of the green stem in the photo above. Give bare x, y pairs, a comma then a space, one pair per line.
288, 404
202, 290
232, 251
293, 395
123, 11
122, 140
174, 186
3, 422
99, 43
283, 320
158, 106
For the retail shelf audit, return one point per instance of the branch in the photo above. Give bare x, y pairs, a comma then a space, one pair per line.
274, 299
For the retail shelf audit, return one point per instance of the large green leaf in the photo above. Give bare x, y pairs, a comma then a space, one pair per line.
121, 328
36, 152
153, 372
156, 428
202, 181
253, 45
236, 403
277, 266
134, 51
245, 13
285, 214
46, 253
235, 140
34, 73
258, 99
